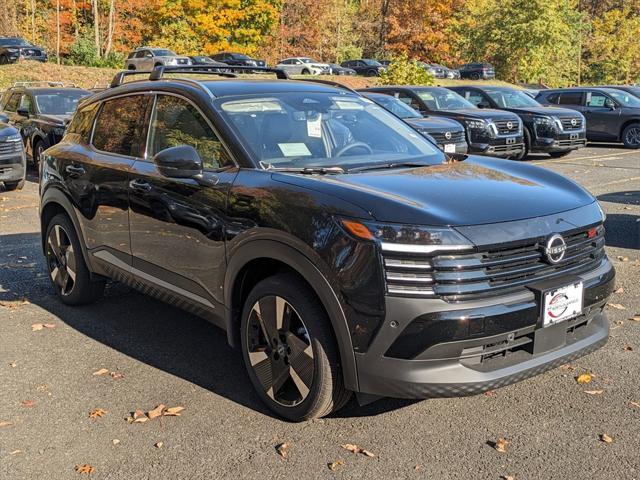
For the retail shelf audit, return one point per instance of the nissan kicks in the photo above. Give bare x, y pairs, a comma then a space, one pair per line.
338, 248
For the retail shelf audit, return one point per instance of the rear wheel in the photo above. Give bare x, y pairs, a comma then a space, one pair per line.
631, 136
475, 76
131, 67
305, 72
68, 271
289, 350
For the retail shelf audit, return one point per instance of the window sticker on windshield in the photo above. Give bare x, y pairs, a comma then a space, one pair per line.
346, 105
314, 126
246, 106
294, 150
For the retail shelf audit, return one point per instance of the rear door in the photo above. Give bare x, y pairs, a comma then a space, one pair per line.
178, 224
603, 116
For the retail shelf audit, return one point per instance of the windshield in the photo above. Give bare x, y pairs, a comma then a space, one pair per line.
240, 56
625, 99
443, 99
309, 129
372, 63
14, 42
164, 53
512, 99
59, 103
307, 60
395, 106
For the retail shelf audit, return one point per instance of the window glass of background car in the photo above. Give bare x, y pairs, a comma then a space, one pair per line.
409, 100
625, 99
596, 100
82, 122
61, 103
26, 103
120, 126
474, 97
571, 98
14, 101
177, 122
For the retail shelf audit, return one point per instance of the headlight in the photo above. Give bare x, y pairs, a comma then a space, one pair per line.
544, 121
476, 124
11, 138
13, 50
407, 238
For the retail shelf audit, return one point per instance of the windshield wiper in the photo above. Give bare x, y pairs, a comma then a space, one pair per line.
308, 170
382, 166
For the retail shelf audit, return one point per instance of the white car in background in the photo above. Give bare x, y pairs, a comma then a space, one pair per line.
147, 58
303, 66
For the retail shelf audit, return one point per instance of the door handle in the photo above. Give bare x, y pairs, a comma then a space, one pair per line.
140, 185
75, 171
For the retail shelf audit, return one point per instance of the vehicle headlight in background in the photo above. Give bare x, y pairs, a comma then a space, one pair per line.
10, 138
407, 238
13, 50
476, 124
546, 126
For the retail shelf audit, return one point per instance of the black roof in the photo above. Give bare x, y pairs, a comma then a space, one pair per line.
223, 88
577, 89
48, 90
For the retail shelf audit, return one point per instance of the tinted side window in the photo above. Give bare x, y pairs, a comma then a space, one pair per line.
26, 103
177, 122
475, 98
552, 98
12, 104
571, 98
596, 100
82, 123
409, 100
120, 126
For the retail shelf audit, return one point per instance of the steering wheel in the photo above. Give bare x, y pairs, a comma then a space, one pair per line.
350, 146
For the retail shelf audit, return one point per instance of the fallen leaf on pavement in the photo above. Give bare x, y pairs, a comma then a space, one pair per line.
115, 441
15, 451
623, 259
28, 403
489, 393
86, 468
606, 438
635, 318
102, 371
617, 306
5, 424
333, 466
501, 445
158, 444
619, 290
566, 366
173, 411
137, 417
635, 404
593, 392
584, 378
116, 375
508, 477
628, 348
39, 326
283, 449
14, 303
356, 449
156, 412
97, 413
13, 364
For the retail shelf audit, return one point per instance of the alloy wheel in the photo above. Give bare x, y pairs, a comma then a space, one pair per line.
632, 136
280, 351
61, 259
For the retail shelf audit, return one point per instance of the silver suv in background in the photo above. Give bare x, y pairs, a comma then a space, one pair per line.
303, 66
147, 58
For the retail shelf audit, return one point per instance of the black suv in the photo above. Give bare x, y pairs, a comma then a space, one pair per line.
41, 113
477, 71
237, 59
365, 66
612, 115
340, 250
552, 130
489, 132
13, 49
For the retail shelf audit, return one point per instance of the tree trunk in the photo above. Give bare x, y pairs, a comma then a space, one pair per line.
58, 31
33, 21
96, 27
111, 26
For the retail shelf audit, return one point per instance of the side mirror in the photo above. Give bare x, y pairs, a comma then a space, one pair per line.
23, 112
182, 161
610, 104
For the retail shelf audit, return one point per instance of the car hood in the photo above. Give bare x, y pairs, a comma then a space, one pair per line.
59, 119
6, 130
483, 113
434, 123
476, 191
548, 111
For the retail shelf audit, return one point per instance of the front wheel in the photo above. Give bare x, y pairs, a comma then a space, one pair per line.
527, 146
631, 136
3, 60
38, 150
290, 351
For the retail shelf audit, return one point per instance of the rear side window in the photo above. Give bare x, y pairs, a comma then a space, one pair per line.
571, 98
14, 101
81, 124
120, 126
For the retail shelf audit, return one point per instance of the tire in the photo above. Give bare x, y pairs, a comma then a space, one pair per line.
3, 60
38, 148
11, 186
560, 154
527, 146
68, 271
131, 67
305, 72
157, 65
372, 73
475, 76
305, 336
631, 136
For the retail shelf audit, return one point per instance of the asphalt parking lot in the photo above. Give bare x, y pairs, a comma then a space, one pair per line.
154, 354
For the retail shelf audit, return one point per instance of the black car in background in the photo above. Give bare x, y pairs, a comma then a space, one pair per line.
204, 60
238, 59
489, 132
446, 133
365, 66
13, 165
13, 49
340, 70
339, 250
612, 115
41, 114
477, 71
552, 130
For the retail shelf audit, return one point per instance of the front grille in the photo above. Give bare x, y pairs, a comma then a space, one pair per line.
507, 148
7, 148
455, 137
507, 127
571, 123
464, 276
182, 61
572, 143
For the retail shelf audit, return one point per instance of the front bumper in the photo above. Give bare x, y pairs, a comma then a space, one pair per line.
461, 147
562, 143
510, 346
498, 147
13, 167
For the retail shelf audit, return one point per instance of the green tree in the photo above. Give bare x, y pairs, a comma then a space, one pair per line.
403, 71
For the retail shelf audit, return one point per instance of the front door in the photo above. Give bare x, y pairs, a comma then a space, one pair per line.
178, 224
602, 116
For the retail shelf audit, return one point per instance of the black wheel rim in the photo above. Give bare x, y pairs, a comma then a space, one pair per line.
279, 351
61, 259
633, 136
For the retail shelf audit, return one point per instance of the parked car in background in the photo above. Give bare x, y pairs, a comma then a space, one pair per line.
365, 66
489, 132
238, 59
552, 130
204, 60
432, 70
612, 115
13, 49
446, 133
147, 58
303, 66
477, 71
632, 89
40, 113
450, 73
13, 164
339, 70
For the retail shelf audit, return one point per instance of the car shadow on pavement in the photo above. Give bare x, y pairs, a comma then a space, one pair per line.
145, 329
629, 197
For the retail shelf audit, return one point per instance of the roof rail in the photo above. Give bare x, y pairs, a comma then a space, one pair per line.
224, 71
329, 82
43, 83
